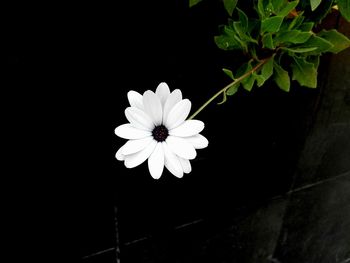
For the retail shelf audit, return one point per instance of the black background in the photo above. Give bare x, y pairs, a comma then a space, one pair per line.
70, 67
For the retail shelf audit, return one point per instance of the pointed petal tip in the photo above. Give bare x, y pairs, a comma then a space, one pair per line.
135, 99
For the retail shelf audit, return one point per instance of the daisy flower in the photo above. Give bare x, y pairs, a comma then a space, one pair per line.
158, 131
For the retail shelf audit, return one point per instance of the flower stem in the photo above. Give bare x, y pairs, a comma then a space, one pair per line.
245, 75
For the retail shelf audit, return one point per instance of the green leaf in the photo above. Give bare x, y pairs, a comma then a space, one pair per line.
314, 4
292, 36
261, 9
267, 41
314, 60
267, 69
243, 19
243, 37
260, 80
230, 6
339, 41
299, 49
243, 43
247, 82
304, 72
227, 42
277, 4
266, 73
306, 27
237, 26
322, 45
232, 89
271, 24
194, 2
344, 8
297, 21
228, 73
281, 77
288, 8
269, 9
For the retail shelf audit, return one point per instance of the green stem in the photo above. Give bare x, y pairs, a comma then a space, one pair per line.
247, 74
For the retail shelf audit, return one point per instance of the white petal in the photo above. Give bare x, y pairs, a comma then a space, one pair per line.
119, 155
139, 119
172, 162
186, 165
156, 162
178, 114
153, 107
173, 98
134, 146
136, 159
181, 147
188, 128
127, 131
163, 92
135, 99
198, 141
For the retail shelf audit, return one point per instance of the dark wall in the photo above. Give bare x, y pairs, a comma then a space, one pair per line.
77, 61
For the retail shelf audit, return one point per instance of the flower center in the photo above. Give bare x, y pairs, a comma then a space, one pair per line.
160, 133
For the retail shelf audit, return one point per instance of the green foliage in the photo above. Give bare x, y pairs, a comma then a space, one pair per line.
286, 9
194, 2
271, 24
306, 27
267, 69
267, 41
232, 89
338, 40
236, 34
304, 72
281, 77
292, 36
280, 45
230, 6
265, 73
318, 44
248, 82
228, 73
314, 4
344, 8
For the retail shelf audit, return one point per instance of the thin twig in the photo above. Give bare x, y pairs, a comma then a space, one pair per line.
247, 74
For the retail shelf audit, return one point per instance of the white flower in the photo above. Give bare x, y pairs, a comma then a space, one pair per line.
158, 131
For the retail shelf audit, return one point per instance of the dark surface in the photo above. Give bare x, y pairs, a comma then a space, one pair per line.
316, 225
280, 195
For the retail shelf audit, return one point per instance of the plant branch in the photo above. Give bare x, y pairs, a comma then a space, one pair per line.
245, 75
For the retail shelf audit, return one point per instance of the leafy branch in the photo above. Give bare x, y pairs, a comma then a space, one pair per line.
279, 40
231, 88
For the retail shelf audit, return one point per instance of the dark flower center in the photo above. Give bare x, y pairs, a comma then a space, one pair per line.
160, 133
